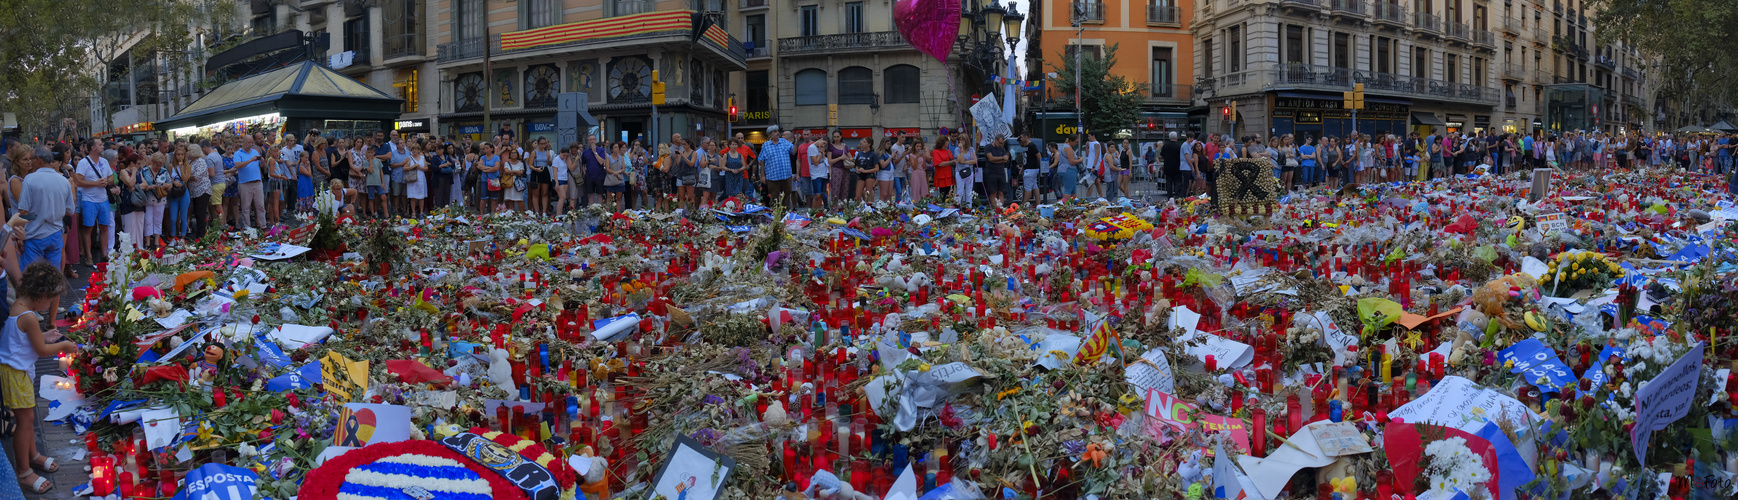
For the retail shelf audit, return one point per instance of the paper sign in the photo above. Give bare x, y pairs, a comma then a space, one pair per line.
218, 482
161, 426
1462, 404
1665, 399
1553, 222
1069, 345
362, 424
1535, 362
692, 472
1150, 373
1339, 439
1338, 340
342, 377
1271, 474
297, 336
284, 251
1227, 353
177, 318
1165, 410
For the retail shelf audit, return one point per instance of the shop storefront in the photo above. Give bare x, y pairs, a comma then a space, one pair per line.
1426, 124
541, 129
1312, 115
412, 127
293, 99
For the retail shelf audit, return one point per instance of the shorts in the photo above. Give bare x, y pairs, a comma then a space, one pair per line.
818, 185
1031, 178
217, 193
618, 188
49, 248
997, 184
397, 188
372, 191
96, 213
16, 385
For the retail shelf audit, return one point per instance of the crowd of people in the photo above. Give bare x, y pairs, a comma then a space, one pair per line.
164, 192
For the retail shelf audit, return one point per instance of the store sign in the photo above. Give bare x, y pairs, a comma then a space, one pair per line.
1067, 129
541, 127
471, 129
757, 115
404, 124
1481, 121
856, 133
894, 132
1326, 104
815, 132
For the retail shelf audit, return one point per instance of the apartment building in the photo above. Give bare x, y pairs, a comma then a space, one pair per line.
1426, 65
1155, 48
508, 60
836, 65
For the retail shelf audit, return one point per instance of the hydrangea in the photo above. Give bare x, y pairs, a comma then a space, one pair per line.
1454, 467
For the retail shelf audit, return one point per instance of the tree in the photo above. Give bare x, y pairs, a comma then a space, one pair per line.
1111, 102
1693, 39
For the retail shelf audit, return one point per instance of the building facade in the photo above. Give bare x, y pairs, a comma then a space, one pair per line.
503, 63
1155, 49
821, 66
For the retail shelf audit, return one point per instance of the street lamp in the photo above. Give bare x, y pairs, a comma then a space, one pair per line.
1011, 26
993, 19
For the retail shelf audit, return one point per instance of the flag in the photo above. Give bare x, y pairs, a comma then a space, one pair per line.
1095, 346
1226, 481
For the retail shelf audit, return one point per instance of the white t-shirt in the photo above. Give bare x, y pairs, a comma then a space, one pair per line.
560, 167
817, 169
94, 172
291, 155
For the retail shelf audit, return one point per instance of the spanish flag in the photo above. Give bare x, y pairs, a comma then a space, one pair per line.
1095, 346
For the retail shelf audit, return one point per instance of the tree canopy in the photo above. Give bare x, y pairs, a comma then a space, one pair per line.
1694, 39
1111, 101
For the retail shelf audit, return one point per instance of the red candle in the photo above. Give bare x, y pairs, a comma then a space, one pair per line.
1259, 445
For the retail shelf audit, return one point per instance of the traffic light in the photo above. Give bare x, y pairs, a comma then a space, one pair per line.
1226, 112
732, 105
657, 89
1354, 98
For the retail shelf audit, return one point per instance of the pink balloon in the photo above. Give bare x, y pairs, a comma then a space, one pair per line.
928, 25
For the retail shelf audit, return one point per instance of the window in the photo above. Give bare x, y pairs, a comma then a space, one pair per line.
1420, 62
811, 87
756, 30
900, 84
1207, 55
1294, 44
1164, 76
1452, 67
854, 17
1342, 51
407, 91
1235, 52
756, 84
1092, 52
541, 13
1478, 71
1478, 18
856, 86
1384, 55
811, 20
356, 38
468, 21
1453, 10
264, 24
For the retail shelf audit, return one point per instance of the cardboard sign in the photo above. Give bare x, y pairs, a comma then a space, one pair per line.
1665, 399
1339, 439
362, 424
342, 377
1166, 410
1553, 222
218, 482
693, 472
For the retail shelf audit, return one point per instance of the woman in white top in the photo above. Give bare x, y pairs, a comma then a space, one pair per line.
339, 194
416, 183
558, 169
965, 169
514, 166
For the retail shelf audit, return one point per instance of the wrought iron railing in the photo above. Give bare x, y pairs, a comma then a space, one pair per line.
1513, 25
1162, 14
1605, 61
1355, 7
1484, 37
846, 41
1298, 76
1631, 72
1092, 12
1427, 22
1166, 91
1310, 3
1390, 13
1514, 71
759, 51
460, 50
749, 4
1460, 30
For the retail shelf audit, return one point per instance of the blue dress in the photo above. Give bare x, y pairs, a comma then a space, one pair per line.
1069, 173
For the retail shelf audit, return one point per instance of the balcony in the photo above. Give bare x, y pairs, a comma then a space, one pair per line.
760, 50
1509, 102
464, 49
1163, 14
403, 46
1170, 92
1460, 31
847, 41
1427, 22
1353, 7
1275, 77
1514, 72
750, 4
1484, 37
1090, 12
1631, 73
1583, 18
1312, 4
1605, 61
1513, 26
1557, 6
1390, 13
1634, 100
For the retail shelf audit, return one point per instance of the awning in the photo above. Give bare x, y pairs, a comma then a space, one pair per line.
304, 89
1722, 126
1423, 118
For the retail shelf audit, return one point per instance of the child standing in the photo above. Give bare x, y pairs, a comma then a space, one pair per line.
21, 344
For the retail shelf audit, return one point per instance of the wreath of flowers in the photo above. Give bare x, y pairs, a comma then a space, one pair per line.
324, 482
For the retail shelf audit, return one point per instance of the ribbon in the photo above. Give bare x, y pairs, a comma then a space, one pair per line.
537, 482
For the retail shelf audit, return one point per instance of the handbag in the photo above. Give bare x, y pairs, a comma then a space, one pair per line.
176, 192
495, 184
612, 179
411, 176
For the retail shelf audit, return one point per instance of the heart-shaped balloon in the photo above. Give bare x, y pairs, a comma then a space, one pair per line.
928, 25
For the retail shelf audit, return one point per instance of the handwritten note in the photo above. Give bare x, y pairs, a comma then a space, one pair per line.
1339, 439
1462, 404
1151, 372
1228, 353
1338, 340
1665, 399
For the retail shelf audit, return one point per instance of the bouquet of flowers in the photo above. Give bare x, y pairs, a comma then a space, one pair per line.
1453, 467
1578, 270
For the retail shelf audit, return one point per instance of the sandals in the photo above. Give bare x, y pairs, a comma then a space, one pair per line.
37, 487
45, 463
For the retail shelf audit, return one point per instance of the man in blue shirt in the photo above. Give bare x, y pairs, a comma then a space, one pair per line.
1724, 157
247, 172
593, 157
775, 158
387, 154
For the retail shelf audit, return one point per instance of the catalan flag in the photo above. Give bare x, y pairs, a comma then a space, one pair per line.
650, 22
1096, 345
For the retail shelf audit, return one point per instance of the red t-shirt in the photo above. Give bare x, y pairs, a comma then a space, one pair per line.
803, 159
943, 174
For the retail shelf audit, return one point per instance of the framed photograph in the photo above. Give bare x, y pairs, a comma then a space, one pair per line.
691, 472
